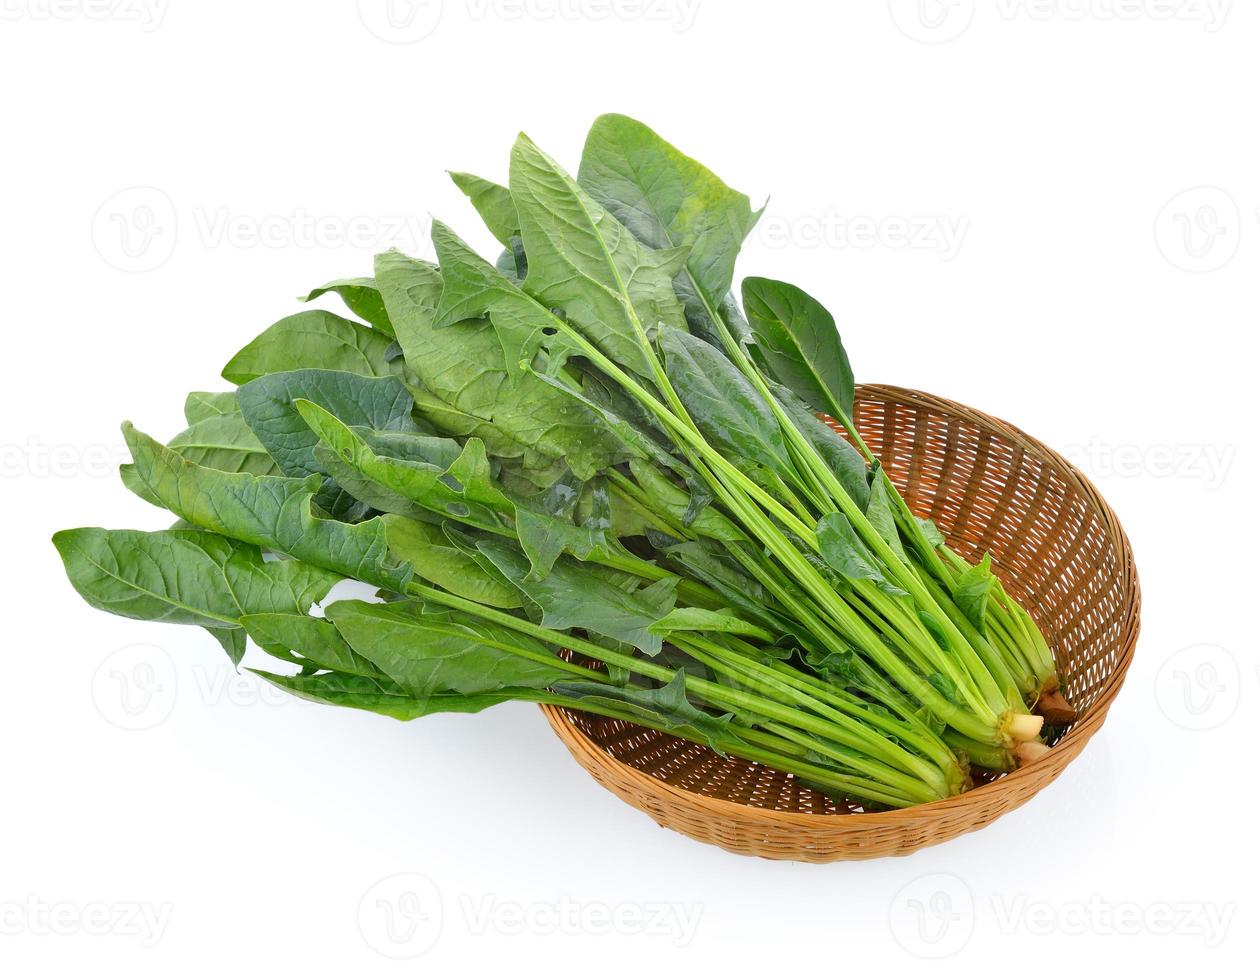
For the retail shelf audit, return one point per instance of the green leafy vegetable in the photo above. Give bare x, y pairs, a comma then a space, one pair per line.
495, 205
584, 262
193, 578
581, 475
268, 404
270, 512
363, 299
799, 341
313, 338
973, 590
668, 200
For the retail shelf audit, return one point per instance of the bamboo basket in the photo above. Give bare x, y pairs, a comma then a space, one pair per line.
1058, 549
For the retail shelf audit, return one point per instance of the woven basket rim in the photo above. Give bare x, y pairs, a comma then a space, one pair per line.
580, 744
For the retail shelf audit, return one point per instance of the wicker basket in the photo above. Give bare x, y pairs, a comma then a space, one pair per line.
1058, 549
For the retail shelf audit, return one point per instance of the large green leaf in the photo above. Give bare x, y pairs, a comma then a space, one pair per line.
798, 339
846, 553
418, 447
460, 367
881, 511
583, 261
679, 504
472, 288
722, 402
617, 426
190, 577
224, 442
470, 394
429, 654
272, 512
691, 619
708, 562
666, 199
430, 551
315, 640
311, 339
573, 595
463, 491
268, 406
547, 524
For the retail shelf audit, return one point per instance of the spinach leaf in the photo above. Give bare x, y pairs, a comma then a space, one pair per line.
464, 490
632, 439
456, 366
709, 562
973, 589
224, 442
666, 199
572, 595
469, 394
841, 458
433, 556
311, 339
494, 203
692, 619
664, 708
194, 578
931, 533
881, 512
844, 551
382, 697
473, 288
546, 529
584, 262
271, 512
268, 406
437, 654
316, 641
722, 402
363, 299
798, 339
681, 505
202, 405
418, 447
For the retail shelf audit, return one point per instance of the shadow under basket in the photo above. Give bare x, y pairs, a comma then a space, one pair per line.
1059, 551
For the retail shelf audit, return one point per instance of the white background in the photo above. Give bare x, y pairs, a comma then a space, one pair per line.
1082, 183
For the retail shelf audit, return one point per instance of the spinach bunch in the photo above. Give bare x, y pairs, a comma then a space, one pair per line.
584, 473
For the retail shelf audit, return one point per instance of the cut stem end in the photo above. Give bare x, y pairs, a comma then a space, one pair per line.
1022, 728
1026, 753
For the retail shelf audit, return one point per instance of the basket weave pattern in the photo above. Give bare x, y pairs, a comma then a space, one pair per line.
1058, 549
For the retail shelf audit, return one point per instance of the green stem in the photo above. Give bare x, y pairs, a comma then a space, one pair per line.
885, 751
850, 786
992, 757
